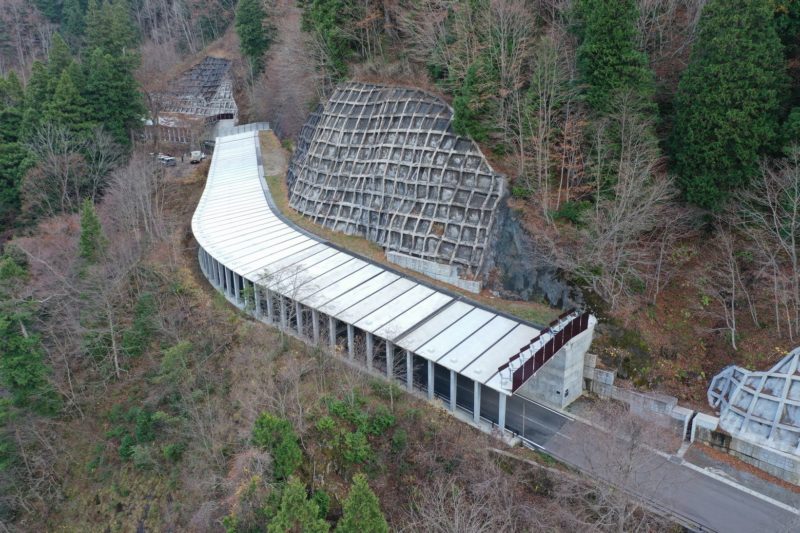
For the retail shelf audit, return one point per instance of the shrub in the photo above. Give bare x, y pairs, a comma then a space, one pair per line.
277, 436
174, 452
381, 421
356, 448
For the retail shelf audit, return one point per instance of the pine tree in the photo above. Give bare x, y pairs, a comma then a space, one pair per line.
608, 59
728, 100
92, 243
297, 512
361, 510
255, 34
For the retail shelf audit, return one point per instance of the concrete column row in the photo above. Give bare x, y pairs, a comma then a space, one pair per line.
228, 282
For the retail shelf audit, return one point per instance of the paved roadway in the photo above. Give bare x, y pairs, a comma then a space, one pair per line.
693, 495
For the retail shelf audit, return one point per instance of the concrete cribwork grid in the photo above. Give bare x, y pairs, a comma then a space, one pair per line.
763, 407
384, 163
204, 91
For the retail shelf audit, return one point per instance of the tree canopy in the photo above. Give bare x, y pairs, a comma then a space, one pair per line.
728, 100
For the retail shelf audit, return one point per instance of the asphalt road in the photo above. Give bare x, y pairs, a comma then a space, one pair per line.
698, 498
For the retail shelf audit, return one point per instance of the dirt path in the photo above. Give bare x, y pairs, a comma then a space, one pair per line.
287, 90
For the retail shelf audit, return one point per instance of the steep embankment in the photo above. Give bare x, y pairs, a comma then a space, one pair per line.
287, 90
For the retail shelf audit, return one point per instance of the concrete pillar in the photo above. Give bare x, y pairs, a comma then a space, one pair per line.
236, 292
370, 350
453, 389
476, 402
332, 332
430, 379
409, 371
220, 272
351, 348
270, 305
257, 300
298, 311
389, 360
501, 412
315, 325
284, 317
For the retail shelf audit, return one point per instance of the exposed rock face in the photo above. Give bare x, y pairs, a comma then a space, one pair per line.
523, 272
384, 163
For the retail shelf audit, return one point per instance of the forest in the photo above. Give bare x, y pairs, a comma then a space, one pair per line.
652, 151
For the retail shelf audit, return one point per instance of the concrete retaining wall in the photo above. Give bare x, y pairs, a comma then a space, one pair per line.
438, 271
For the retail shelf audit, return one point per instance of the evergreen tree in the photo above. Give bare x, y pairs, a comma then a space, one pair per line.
50, 9
13, 155
67, 107
58, 59
255, 34
329, 20
361, 510
297, 512
608, 59
23, 370
37, 96
73, 18
113, 95
92, 243
728, 100
110, 28
278, 437
468, 108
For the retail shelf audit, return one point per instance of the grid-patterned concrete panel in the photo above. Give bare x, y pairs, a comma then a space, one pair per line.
385, 164
761, 406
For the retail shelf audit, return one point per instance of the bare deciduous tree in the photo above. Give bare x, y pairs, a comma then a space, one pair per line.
768, 216
616, 249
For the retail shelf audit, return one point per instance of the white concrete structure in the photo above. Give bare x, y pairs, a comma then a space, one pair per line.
431, 340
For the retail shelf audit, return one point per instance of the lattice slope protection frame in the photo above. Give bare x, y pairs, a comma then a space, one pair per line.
384, 163
205, 90
763, 407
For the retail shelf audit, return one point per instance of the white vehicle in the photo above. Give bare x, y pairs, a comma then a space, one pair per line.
196, 156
